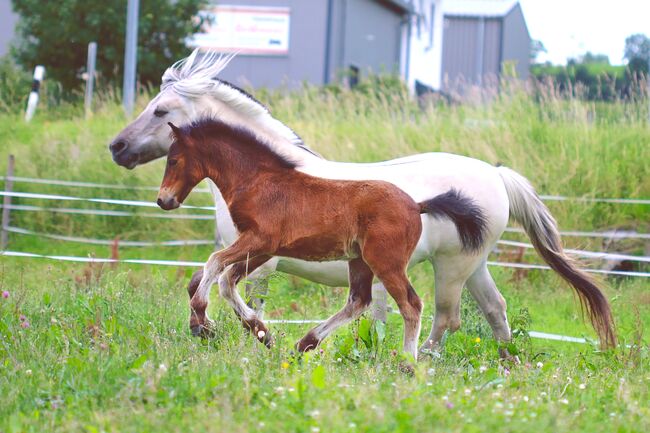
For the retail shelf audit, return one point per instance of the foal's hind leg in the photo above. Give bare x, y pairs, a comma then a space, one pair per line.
389, 265
359, 299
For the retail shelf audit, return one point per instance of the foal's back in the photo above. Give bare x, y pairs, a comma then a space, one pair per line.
321, 219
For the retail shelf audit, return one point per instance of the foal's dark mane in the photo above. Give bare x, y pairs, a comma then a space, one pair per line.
209, 130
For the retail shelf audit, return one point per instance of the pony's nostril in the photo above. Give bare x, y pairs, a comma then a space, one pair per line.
118, 146
160, 202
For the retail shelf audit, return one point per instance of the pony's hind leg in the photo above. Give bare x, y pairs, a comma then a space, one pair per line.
450, 273
485, 292
228, 289
358, 301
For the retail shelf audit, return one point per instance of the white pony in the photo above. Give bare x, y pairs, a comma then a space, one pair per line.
190, 90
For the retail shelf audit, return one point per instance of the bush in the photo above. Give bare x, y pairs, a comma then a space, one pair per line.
14, 86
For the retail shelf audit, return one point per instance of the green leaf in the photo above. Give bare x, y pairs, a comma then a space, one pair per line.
318, 377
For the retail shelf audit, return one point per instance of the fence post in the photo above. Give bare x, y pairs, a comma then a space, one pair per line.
130, 56
6, 202
90, 77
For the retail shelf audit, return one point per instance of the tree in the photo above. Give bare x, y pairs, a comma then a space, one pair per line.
536, 48
637, 52
56, 33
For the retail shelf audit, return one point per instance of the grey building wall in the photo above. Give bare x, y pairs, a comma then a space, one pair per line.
8, 22
503, 39
365, 34
307, 43
516, 41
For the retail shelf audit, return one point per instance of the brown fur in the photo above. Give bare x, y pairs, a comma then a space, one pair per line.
281, 211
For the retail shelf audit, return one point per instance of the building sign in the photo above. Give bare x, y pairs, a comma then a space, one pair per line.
246, 30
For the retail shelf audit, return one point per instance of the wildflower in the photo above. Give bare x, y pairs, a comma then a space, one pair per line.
22, 318
338, 360
482, 369
244, 360
431, 371
582, 386
314, 413
477, 340
506, 372
540, 364
564, 401
24, 324
28, 372
284, 365
468, 391
449, 405
162, 368
315, 430
5, 294
352, 425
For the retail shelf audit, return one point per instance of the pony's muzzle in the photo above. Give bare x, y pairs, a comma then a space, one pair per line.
168, 203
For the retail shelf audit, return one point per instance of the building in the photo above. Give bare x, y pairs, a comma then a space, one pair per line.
287, 42
480, 39
8, 21
432, 44
438, 44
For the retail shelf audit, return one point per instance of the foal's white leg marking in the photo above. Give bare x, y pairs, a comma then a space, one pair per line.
228, 290
493, 305
211, 271
350, 311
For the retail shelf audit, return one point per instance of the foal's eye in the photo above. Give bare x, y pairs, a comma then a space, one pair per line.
160, 112
172, 162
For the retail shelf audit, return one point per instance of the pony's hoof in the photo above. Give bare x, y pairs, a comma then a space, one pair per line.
506, 357
308, 342
407, 368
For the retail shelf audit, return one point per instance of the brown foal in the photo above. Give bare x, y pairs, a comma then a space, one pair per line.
280, 211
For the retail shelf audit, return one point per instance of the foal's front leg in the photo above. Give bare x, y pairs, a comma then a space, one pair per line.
228, 289
245, 248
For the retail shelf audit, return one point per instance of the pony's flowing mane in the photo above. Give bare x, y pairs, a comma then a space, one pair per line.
196, 76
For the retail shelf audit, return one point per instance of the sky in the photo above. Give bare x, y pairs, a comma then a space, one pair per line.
569, 28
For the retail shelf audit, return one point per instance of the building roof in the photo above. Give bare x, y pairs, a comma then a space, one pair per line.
478, 8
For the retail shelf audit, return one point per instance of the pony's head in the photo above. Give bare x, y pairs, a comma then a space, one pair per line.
190, 90
183, 171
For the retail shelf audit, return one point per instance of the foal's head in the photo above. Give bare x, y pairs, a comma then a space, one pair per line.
183, 172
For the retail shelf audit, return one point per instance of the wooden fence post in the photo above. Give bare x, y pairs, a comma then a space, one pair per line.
6, 202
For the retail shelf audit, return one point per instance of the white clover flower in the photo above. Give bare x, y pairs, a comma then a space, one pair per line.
540, 364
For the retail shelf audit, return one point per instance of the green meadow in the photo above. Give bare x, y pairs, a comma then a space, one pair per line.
94, 348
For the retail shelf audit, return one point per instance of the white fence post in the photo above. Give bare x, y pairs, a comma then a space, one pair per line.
90, 77
32, 102
130, 56
6, 203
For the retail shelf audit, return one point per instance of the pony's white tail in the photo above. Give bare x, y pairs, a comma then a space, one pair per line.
527, 209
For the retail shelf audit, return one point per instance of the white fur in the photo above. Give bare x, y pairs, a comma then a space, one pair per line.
190, 89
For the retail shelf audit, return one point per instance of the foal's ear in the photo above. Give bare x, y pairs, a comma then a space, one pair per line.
175, 130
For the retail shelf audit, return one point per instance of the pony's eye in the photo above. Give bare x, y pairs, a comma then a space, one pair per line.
172, 162
160, 113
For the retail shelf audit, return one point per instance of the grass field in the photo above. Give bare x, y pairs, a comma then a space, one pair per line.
90, 348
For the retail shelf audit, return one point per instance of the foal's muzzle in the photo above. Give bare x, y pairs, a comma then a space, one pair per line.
168, 203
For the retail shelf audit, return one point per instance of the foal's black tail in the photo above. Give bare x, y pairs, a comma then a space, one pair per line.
463, 212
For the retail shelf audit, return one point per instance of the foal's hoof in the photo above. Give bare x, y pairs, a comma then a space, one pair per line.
265, 338
202, 331
308, 342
